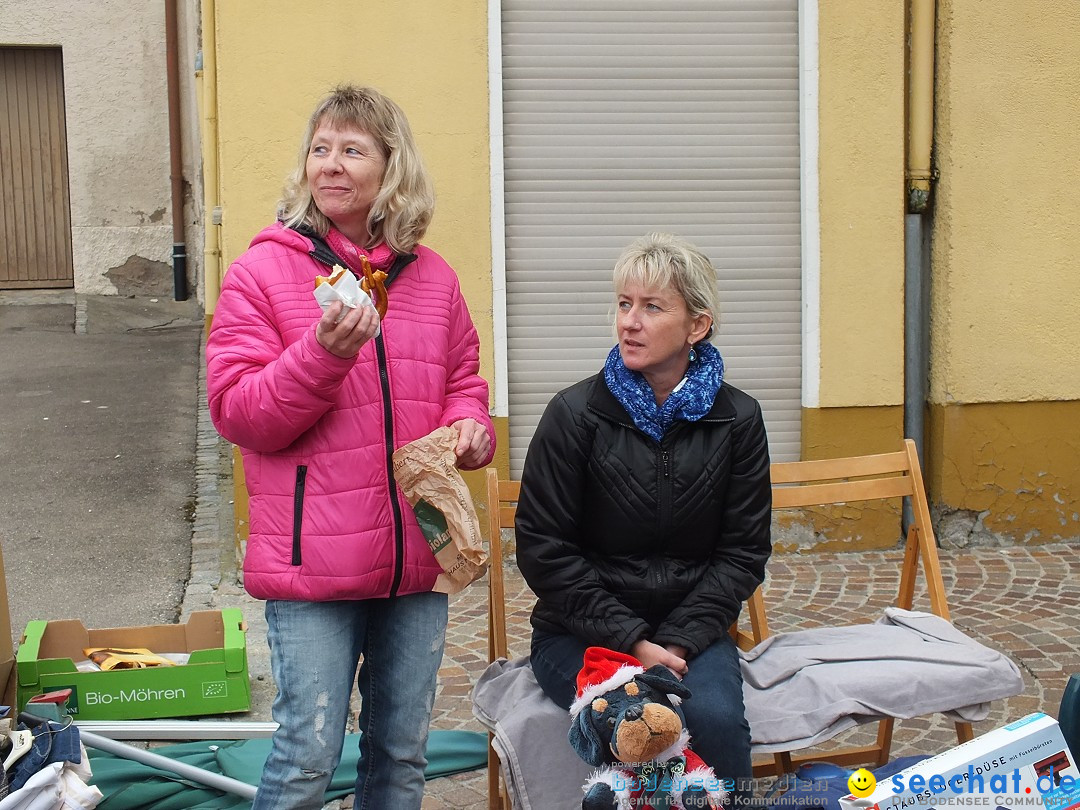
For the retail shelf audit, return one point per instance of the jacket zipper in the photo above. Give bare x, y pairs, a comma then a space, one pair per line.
298, 512
664, 507
665, 487
388, 421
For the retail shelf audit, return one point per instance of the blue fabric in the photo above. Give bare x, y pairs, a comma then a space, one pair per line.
691, 399
53, 742
719, 732
820, 785
314, 651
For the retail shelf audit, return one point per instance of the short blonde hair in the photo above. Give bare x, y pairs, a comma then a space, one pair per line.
664, 260
402, 211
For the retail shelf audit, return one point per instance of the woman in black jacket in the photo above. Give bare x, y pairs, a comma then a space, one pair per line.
644, 518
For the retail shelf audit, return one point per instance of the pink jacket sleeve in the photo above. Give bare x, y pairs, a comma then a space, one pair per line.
466, 390
263, 395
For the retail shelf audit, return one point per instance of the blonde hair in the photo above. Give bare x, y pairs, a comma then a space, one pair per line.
664, 260
402, 210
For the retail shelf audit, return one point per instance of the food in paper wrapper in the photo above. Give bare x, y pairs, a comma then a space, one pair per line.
341, 285
333, 278
425, 471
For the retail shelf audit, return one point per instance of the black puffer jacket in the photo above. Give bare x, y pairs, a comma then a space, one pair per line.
622, 538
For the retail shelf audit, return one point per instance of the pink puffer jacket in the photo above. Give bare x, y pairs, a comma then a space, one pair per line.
317, 431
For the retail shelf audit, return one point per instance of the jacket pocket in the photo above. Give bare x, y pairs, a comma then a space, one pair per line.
298, 512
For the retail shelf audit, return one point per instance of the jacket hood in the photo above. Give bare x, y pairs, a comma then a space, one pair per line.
279, 234
305, 240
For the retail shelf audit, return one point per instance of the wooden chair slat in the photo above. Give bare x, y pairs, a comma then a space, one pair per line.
865, 489
788, 472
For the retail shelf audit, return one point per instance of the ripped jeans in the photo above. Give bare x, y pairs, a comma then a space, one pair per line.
314, 650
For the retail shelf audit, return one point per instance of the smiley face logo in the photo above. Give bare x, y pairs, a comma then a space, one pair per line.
861, 783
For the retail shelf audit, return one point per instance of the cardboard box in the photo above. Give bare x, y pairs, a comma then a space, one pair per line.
214, 681
1023, 764
7, 650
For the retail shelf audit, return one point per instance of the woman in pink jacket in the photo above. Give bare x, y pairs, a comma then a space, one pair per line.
318, 402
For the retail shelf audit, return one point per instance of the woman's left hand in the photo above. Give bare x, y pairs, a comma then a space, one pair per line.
473, 444
676, 650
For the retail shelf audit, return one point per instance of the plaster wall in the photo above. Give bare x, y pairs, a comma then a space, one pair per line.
1005, 241
1005, 372
861, 173
1005, 472
117, 134
861, 61
430, 58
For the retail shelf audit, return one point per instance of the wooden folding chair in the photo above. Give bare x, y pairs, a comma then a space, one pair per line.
799, 484
796, 485
502, 501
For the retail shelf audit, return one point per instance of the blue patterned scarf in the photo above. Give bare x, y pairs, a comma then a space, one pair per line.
691, 399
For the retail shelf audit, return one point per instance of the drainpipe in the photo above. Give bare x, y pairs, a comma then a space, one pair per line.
920, 125
176, 166
211, 201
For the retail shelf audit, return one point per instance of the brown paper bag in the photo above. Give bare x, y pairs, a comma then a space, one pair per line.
425, 471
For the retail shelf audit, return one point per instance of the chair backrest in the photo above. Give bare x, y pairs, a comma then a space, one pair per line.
798, 484
501, 501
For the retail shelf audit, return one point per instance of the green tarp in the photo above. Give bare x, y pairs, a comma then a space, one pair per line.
129, 785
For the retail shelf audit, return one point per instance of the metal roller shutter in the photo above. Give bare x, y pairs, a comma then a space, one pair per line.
626, 117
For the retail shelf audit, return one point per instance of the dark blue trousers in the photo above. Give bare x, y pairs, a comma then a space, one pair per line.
715, 716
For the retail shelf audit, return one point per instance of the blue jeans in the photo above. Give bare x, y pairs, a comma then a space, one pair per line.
715, 715
314, 651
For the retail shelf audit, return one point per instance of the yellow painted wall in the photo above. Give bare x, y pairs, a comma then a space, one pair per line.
833, 433
1013, 467
276, 59
861, 61
861, 199
1005, 369
1006, 240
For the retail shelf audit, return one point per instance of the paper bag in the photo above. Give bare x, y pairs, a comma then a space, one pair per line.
425, 471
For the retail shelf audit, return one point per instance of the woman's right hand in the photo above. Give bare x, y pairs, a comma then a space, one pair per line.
650, 654
345, 337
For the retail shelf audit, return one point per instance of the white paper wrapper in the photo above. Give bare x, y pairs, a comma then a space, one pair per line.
346, 290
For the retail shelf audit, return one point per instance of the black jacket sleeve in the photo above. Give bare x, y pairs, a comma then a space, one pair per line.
742, 547
547, 526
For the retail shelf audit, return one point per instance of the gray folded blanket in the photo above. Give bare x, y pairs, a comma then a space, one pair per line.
541, 770
805, 687
800, 689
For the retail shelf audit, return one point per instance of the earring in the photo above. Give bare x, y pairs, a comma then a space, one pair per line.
693, 354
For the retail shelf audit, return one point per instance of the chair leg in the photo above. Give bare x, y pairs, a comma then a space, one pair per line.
494, 800
884, 741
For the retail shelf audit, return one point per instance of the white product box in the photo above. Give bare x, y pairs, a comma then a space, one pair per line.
1023, 764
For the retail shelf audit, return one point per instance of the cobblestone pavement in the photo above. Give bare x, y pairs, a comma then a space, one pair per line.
1022, 600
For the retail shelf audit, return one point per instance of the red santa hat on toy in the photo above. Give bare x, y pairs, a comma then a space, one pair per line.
601, 671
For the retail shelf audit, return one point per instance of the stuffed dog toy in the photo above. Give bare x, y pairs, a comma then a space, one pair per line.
627, 722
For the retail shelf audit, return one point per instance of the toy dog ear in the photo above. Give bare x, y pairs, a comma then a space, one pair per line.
663, 679
585, 740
